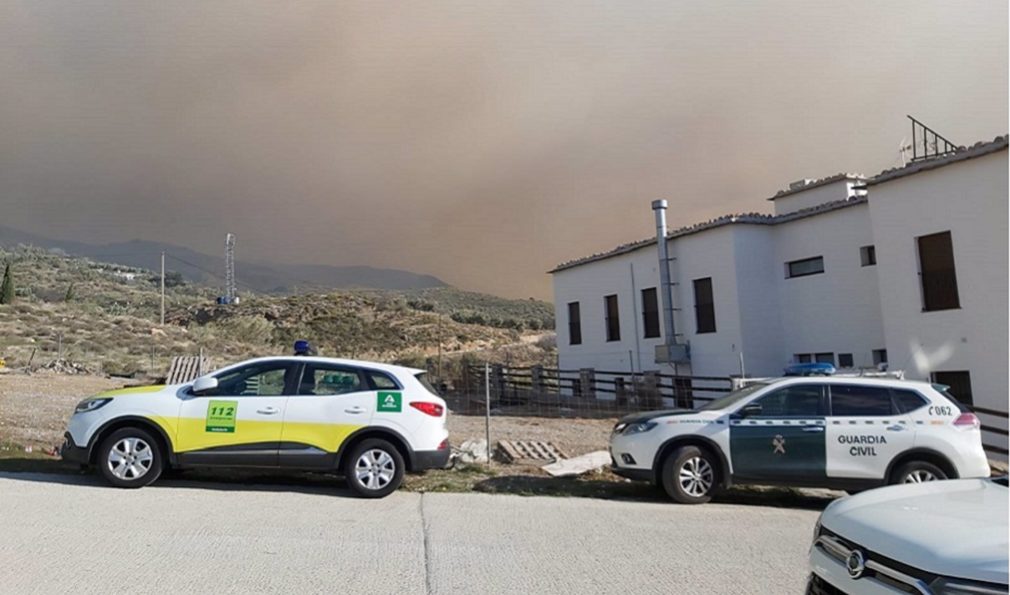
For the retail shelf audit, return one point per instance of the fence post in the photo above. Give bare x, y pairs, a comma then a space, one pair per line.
498, 380
587, 381
537, 380
650, 390
620, 391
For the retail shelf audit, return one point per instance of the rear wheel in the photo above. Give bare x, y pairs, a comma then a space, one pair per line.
917, 472
130, 458
374, 468
689, 475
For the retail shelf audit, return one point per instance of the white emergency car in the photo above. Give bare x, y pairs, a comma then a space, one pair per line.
369, 421
941, 538
838, 432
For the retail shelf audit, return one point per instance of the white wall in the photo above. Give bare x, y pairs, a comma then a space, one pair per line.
969, 199
818, 195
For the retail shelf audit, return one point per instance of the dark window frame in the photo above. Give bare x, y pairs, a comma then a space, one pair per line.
868, 256
823, 404
831, 400
650, 316
879, 356
290, 383
846, 356
612, 319
789, 267
704, 311
937, 282
574, 326
965, 397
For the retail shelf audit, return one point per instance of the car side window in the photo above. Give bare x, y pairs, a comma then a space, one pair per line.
853, 400
907, 400
266, 379
381, 381
325, 380
799, 400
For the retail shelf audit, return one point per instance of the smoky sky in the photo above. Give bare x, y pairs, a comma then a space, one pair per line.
481, 142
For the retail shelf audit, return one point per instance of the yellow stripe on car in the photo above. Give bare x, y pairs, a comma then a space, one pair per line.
131, 390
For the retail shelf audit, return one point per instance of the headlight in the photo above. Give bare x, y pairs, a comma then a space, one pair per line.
619, 427
639, 428
956, 586
90, 405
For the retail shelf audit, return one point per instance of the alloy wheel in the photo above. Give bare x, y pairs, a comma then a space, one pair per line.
130, 459
696, 476
375, 469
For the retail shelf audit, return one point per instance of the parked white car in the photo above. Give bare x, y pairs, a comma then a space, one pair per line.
942, 538
842, 432
370, 421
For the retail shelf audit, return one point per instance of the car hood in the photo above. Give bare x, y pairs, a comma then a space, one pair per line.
954, 528
131, 390
650, 415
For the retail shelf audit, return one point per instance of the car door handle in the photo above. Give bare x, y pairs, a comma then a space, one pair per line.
813, 428
896, 428
355, 410
268, 410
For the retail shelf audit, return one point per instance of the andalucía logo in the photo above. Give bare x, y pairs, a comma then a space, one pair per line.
390, 402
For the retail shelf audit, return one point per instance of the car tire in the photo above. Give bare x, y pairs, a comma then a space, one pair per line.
374, 468
690, 475
917, 472
130, 458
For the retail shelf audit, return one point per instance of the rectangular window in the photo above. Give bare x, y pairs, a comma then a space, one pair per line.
650, 312
936, 272
804, 358
613, 319
959, 383
574, 324
807, 266
868, 256
853, 400
879, 356
825, 358
704, 306
844, 360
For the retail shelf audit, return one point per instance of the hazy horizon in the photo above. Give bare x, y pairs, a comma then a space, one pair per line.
479, 143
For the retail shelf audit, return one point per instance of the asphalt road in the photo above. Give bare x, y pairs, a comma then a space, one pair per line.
72, 534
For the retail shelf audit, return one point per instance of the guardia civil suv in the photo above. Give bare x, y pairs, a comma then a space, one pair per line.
369, 421
848, 433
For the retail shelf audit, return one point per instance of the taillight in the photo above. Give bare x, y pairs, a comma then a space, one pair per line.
432, 409
443, 444
967, 420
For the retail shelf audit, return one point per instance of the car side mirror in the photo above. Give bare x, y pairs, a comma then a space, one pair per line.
204, 384
750, 410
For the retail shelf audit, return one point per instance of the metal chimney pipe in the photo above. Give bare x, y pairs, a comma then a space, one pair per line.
669, 334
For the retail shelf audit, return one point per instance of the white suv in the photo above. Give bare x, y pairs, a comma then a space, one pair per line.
838, 432
370, 421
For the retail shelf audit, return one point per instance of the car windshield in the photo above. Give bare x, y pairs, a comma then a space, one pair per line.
734, 397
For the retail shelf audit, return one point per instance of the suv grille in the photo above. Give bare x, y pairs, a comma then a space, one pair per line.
885, 570
818, 586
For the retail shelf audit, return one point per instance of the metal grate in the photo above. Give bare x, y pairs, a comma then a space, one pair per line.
530, 450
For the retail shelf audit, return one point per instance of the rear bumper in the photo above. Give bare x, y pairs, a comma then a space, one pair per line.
430, 459
71, 452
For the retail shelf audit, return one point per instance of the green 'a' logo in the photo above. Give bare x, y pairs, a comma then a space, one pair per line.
389, 402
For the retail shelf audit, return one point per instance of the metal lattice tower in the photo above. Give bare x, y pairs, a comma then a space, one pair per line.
229, 268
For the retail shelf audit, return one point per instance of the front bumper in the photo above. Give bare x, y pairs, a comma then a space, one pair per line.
431, 459
71, 452
635, 474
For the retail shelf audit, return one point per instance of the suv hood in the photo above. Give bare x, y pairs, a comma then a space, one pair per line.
650, 415
955, 528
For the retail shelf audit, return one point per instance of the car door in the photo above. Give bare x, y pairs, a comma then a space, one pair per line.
238, 423
865, 432
779, 437
331, 402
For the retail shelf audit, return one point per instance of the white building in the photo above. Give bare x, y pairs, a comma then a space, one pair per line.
847, 270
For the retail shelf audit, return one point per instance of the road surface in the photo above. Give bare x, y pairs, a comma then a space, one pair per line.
64, 533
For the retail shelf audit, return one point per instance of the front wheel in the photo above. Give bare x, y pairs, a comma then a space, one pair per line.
689, 475
130, 458
374, 468
917, 472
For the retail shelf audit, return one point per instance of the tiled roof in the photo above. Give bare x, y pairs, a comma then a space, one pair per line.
816, 183
738, 219
977, 150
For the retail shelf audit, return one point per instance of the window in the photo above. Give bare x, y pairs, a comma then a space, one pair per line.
803, 400
650, 313
868, 256
704, 306
574, 324
803, 358
853, 400
266, 379
879, 356
907, 401
844, 360
820, 358
613, 319
323, 380
936, 272
381, 381
959, 383
807, 266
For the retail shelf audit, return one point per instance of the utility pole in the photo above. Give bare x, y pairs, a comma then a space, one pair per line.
162, 288
440, 347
